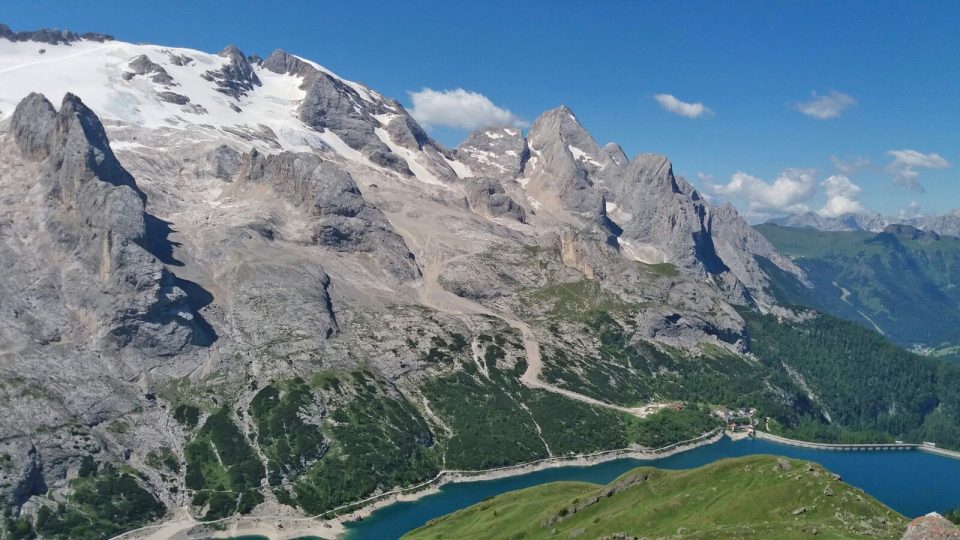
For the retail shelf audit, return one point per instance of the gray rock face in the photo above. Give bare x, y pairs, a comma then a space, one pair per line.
32, 123
282, 62
173, 97
332, 104
94, 217
225, 162
738, 243
494, 152
486, 196
236, 77
342, 219
142, 65
564, 160
282, 307
657, 210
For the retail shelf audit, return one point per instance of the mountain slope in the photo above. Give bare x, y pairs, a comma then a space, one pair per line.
258, 287
752, 497
901, 282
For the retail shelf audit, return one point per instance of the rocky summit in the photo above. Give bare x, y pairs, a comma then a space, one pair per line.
230, 283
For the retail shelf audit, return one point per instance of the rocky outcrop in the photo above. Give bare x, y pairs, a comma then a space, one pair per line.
142, 65
486, 196
50, 36
932, 526
93, 214
280, 309
341, 218
224, 162
235, 78
494, 152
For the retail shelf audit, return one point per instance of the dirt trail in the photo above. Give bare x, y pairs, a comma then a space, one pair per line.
434, 296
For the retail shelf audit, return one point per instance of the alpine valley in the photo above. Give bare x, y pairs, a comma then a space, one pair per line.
241, 284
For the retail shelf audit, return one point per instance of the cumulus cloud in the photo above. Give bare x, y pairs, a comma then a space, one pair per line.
824, 107
460, 109
841, 197
787, 193
691, 110
905, 164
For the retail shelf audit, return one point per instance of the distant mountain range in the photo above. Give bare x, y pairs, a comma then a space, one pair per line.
901, 281
946, 224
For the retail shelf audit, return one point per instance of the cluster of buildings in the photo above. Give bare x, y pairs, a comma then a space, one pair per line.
737, 419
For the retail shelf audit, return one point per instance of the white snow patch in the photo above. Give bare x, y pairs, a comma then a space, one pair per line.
580, 155
533, 202
493, 134
462, 170
644, 253
422, 173
523, 182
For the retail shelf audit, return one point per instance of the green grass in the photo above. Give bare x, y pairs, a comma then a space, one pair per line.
751, 497
571, 300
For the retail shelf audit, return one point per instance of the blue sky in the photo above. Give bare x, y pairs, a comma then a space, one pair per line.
887, 74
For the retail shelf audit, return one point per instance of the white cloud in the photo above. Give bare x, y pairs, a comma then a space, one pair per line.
850, 166
841, 197
460, 109
913, 210
787, 193
905, 164
704, 177
824, 107
674, 105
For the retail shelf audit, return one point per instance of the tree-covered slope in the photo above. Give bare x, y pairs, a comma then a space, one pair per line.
858, 385
901, 282
751, 497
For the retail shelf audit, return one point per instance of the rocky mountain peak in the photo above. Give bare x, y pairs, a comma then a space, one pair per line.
236, 77
284, 63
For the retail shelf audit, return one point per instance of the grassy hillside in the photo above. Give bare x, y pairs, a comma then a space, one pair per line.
751, 497
902, 284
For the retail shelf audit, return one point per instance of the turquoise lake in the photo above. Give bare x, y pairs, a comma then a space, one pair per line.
912, 482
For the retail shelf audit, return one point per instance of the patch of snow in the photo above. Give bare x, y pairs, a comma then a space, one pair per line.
644, 253
422, 173
580, 155
533, 202
523, 182
511, 153
493, 134
617, 214
336, 143
462, 170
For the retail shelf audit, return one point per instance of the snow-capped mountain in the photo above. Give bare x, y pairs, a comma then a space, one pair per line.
946, 224
180, 229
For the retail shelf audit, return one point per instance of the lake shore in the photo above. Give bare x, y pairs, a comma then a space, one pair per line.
284, 527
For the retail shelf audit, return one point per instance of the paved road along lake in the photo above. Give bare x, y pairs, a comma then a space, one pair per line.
911, 482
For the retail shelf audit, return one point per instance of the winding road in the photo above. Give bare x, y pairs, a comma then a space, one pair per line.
435, 296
